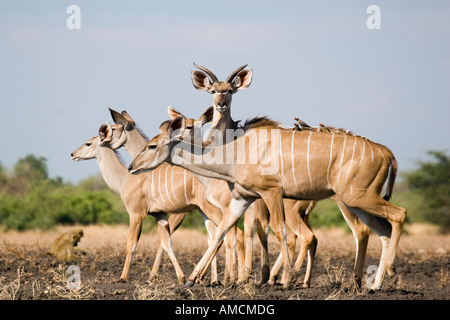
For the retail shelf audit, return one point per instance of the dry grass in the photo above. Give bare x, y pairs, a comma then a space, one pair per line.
28, 273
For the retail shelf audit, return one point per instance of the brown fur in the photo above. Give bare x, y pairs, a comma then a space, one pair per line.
257, 122
63, 246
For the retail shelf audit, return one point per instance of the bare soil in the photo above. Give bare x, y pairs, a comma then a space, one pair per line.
27, 272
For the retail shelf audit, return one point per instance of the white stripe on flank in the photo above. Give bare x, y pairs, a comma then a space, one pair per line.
185, 195
307, 157
292, 156
381, 153
173, 190
342, 158
159, 185
353, 157
331, 157
362, 154
167, 189
273, 156
371, 150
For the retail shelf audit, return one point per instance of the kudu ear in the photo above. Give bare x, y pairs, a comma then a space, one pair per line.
200, 80
243, 79
128, 118
122, 118
173, 113
164, 127
207, 116
177, 125
105, 132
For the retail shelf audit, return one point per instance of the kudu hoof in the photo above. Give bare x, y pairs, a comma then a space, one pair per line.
391, 271
287, 285
189, 284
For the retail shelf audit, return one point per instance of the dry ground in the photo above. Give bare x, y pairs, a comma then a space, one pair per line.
27, 272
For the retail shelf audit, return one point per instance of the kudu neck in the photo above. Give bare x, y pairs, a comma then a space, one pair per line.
207, 162
220, 124
135, 143
113, 171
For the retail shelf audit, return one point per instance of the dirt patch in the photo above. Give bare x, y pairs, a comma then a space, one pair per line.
27, 272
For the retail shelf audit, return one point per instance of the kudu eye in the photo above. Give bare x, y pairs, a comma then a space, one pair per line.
87, 144
230, 91
152, 146
212, 92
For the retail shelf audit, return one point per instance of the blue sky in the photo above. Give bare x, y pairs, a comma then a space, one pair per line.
315, 60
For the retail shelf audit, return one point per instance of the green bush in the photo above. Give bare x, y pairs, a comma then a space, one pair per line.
29, 199
430, 186
326, 214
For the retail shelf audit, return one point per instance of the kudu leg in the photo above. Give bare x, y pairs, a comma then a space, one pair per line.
386, 220
230, 256
291, 239
164, 233
274, 202
262, 228
231, 216
133, 237
235, 254
360, 233
249, 230
306, 237
175, 221
240, 253
309, 266
211, 228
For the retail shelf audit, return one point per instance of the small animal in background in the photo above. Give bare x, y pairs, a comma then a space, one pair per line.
63, 246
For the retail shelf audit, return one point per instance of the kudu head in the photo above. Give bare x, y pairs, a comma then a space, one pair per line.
192, 127
171, 132
91, 148
158, 149
222, 91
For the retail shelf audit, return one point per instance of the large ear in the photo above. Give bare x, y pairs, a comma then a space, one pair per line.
105, 132
243, 79
115, 115
129, 119
164, 127
122, 118
207, 116
176, 126
173, 113
200, 80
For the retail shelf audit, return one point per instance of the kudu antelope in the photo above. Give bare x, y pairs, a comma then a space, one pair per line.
222, 92
167, 189
127, 134
354, 169
258, 214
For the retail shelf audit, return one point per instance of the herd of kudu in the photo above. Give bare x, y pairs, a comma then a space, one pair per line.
273, 173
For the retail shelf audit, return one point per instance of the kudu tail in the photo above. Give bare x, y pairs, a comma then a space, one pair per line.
391, 179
